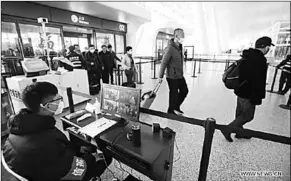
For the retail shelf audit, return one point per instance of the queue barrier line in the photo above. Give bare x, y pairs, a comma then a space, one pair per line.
257, 134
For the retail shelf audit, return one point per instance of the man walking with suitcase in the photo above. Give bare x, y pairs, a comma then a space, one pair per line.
173, 61
252, 89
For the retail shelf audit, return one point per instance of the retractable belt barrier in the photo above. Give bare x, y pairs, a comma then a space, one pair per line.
256, 134
274, 78
209, 125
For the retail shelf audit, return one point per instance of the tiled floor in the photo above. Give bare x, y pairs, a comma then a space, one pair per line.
209, 98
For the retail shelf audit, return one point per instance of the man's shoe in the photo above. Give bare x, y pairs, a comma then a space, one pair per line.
227, 136
179, 111
242, 137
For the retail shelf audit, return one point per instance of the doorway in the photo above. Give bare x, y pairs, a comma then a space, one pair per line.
80, 36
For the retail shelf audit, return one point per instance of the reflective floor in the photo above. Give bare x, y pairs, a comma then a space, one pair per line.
209, 98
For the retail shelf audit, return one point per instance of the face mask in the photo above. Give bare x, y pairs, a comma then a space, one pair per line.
181, 40
92, 51
59, 110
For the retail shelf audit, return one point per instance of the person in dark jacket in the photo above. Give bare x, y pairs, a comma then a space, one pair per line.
75, 58
285, 77
94, 68
252, 76
105, 58
173, 61
113, 59
35, 148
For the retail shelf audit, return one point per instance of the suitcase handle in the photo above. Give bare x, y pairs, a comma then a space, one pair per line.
156, 89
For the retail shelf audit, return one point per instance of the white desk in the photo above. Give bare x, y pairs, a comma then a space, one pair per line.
77, 80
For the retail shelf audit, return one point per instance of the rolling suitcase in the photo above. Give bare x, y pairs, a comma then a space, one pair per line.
148, 97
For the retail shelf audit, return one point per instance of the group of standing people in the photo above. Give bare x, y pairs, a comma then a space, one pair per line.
99, 65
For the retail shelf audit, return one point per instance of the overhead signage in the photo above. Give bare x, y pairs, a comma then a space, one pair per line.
79, 19
74, 18
122, 27
111, 25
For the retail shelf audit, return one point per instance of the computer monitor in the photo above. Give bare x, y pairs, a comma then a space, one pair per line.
121, 101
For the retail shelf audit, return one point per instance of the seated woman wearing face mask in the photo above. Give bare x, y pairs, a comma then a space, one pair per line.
35, 148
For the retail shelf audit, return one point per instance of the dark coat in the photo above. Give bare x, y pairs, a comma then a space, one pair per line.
172, 61
106, 59
93, 63
253, 70
36, 149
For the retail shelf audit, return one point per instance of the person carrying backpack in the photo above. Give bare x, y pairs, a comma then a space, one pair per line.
285, 75
252, 84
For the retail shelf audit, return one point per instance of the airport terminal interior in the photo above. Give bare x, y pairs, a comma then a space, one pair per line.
167, 91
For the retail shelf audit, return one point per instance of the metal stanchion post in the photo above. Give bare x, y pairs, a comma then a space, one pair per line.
154, 61
206, 150
118, 73
70, 99
225, 65
274, 79
140, 79
194, 67
199, 71
267, 74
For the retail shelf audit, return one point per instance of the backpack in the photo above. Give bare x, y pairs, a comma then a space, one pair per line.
230, 77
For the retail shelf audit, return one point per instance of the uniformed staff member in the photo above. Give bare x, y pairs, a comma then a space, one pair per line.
75, 58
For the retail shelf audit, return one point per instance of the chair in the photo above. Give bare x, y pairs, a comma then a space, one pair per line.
15, 175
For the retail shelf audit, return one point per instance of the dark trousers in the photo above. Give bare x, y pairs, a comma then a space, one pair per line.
129, 75
111, 75
178, 92
94, 82
96, 168
245, 112
94, 78
105, 76
284, 79
289, 100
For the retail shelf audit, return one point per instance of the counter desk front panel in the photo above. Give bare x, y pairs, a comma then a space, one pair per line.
77, 80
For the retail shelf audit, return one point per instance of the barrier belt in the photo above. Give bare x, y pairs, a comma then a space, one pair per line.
256, 134
173, 117
144, 62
